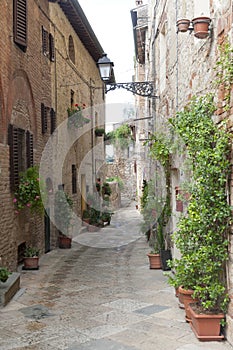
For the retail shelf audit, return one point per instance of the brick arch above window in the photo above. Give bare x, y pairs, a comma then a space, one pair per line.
71, 49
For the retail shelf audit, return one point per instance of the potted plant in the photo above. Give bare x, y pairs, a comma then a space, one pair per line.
63, 215
95, 221
4, 274
75, 116
201, 27
106, 216
30, 191
154, 258
31, 258
202, 233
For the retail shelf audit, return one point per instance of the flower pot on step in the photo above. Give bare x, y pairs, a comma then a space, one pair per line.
206, 327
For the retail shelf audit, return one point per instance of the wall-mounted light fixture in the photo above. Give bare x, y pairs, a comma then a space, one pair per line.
144, 88
200, 26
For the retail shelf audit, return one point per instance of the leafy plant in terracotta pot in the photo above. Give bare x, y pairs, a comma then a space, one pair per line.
63, 215
31, 258
202, 233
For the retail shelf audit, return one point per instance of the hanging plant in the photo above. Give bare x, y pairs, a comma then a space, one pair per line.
30, 191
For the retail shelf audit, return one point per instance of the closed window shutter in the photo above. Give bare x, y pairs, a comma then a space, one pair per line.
20, 23
53, 120
29, 149
44, 122
45, 42
51, 48
14, 156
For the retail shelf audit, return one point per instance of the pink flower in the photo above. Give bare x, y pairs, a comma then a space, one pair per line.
14, 200
28, 205
16, 212
37, 197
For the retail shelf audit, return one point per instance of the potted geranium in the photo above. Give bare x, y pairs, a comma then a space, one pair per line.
63, 215
29, 192
75, 116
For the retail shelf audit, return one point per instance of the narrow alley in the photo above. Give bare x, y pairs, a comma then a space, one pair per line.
99, 297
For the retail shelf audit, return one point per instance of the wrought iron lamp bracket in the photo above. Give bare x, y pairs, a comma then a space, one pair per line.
144, 89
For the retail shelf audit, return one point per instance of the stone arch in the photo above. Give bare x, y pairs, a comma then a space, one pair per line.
21, 105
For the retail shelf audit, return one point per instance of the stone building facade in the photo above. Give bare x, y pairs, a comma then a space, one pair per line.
181, 65
47, 66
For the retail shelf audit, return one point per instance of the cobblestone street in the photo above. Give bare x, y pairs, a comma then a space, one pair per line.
99, 298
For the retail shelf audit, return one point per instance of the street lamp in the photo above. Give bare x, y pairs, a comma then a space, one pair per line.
144, 88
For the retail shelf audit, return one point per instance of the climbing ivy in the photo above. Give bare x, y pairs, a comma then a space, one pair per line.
224, 71
202, 233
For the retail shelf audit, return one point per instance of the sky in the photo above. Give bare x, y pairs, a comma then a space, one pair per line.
111, 22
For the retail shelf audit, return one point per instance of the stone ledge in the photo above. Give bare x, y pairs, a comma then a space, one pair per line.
9, 288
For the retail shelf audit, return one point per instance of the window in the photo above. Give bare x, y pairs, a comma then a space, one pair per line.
71, 49
51, 48
74, 178
45, 42
44, 119
53, 120
21, 152
20, 23
48, 48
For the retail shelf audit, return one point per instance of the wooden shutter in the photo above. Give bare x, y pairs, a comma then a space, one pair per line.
29, 149
74, 178
51, 48
44, 122
45, 42
14, 158
20, 22
53, 120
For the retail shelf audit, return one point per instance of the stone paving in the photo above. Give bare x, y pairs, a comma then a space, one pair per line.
98, 295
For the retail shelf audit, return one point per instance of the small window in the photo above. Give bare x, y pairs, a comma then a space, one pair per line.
74, 178
53, 120
44, 119
71, 49
51, 48
45, 42
20, 23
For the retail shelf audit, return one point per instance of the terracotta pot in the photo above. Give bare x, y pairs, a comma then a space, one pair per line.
31, 263
154, 260
64, 242
187, 299
201, 27
206, 327
183, 25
